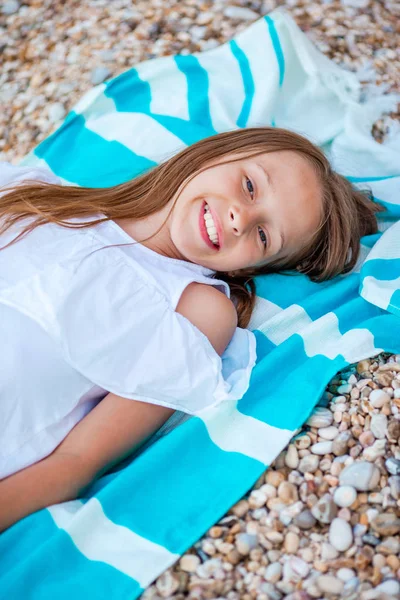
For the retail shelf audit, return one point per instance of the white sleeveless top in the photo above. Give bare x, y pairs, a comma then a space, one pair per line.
76, 324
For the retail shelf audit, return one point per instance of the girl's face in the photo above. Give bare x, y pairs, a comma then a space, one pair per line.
257, 209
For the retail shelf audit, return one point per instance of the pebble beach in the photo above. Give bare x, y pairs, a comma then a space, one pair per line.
324, 520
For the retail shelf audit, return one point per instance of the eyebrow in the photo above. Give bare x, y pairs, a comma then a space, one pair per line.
271, 184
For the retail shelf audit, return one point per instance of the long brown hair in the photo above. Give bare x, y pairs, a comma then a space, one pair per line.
348, 213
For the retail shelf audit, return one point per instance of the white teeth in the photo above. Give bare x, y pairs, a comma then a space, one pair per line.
210, 226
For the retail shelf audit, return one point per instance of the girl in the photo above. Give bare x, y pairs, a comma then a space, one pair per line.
123, 293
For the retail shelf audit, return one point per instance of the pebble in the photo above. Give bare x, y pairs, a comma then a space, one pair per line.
325, 509
245, 542
386, 524
329, 585
56, 112
340, 535
373, 452
344, 496
292, 457
328, 433
321, 448
291, 543
378, 398
393, 466
10, 7
288, 493
189, 563
273, 572
391, 587
341, 443
321, 417
362, 475
305, 520
308, 464
345, 574
240, 13
99, 74
379, 425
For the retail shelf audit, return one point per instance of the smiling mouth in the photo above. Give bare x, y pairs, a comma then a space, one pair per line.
210, 226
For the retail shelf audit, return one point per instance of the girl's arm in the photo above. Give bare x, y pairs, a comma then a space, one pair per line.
112, 430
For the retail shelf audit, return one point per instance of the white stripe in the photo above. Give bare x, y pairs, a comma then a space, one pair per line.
98, 538
379, 291
223, 116
168, 87
137, 132
323, 337
284, 324
95, 101
263, 311
232, 431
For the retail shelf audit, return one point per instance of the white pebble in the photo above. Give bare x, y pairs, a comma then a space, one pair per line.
321, 417
273, 572
362, 475
56, 112
344, 496
330, 584
189, 563
328, 433
345, 574
321, 448
292, 457
379, 425
391, 587
240, 13
340, 534
378, 398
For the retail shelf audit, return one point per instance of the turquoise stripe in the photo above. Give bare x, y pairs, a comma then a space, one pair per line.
385, 269
85, 158
129, 92
198, 86
248, 83
277, 47
392, 210
366, 179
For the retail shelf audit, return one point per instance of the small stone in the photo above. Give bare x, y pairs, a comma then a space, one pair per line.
56, 112
295, 569
241, 508
321, 417
340, 535
291, 543
99, 74
245, 542
287, 492
340, 443
10, 7
273, 572
386, 524
328, 433
394, 486
328, 552
292, 457
325, 509
393, 466
366, 439
390, 545
240, 13
257, 499
362, 475
167, 584
330, 585
391, 587
321, 448
379, 425
274, 478
393, 430
377, 449
189, 563
305, 520
378, 398
344, 496
309, 464
345, 574
205, 18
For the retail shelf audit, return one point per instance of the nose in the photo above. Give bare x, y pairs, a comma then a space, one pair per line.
240, 218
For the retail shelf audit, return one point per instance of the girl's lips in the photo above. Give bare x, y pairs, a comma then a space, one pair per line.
203, 229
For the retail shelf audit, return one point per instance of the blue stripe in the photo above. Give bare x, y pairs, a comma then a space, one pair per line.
83, 157
392, 210
198, 86
248, 83
366, 179
277, 47
129, 92
385, 269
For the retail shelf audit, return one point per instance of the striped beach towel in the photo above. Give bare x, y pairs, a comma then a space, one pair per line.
137, 520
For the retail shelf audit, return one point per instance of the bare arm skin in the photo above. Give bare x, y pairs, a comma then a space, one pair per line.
113, 429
